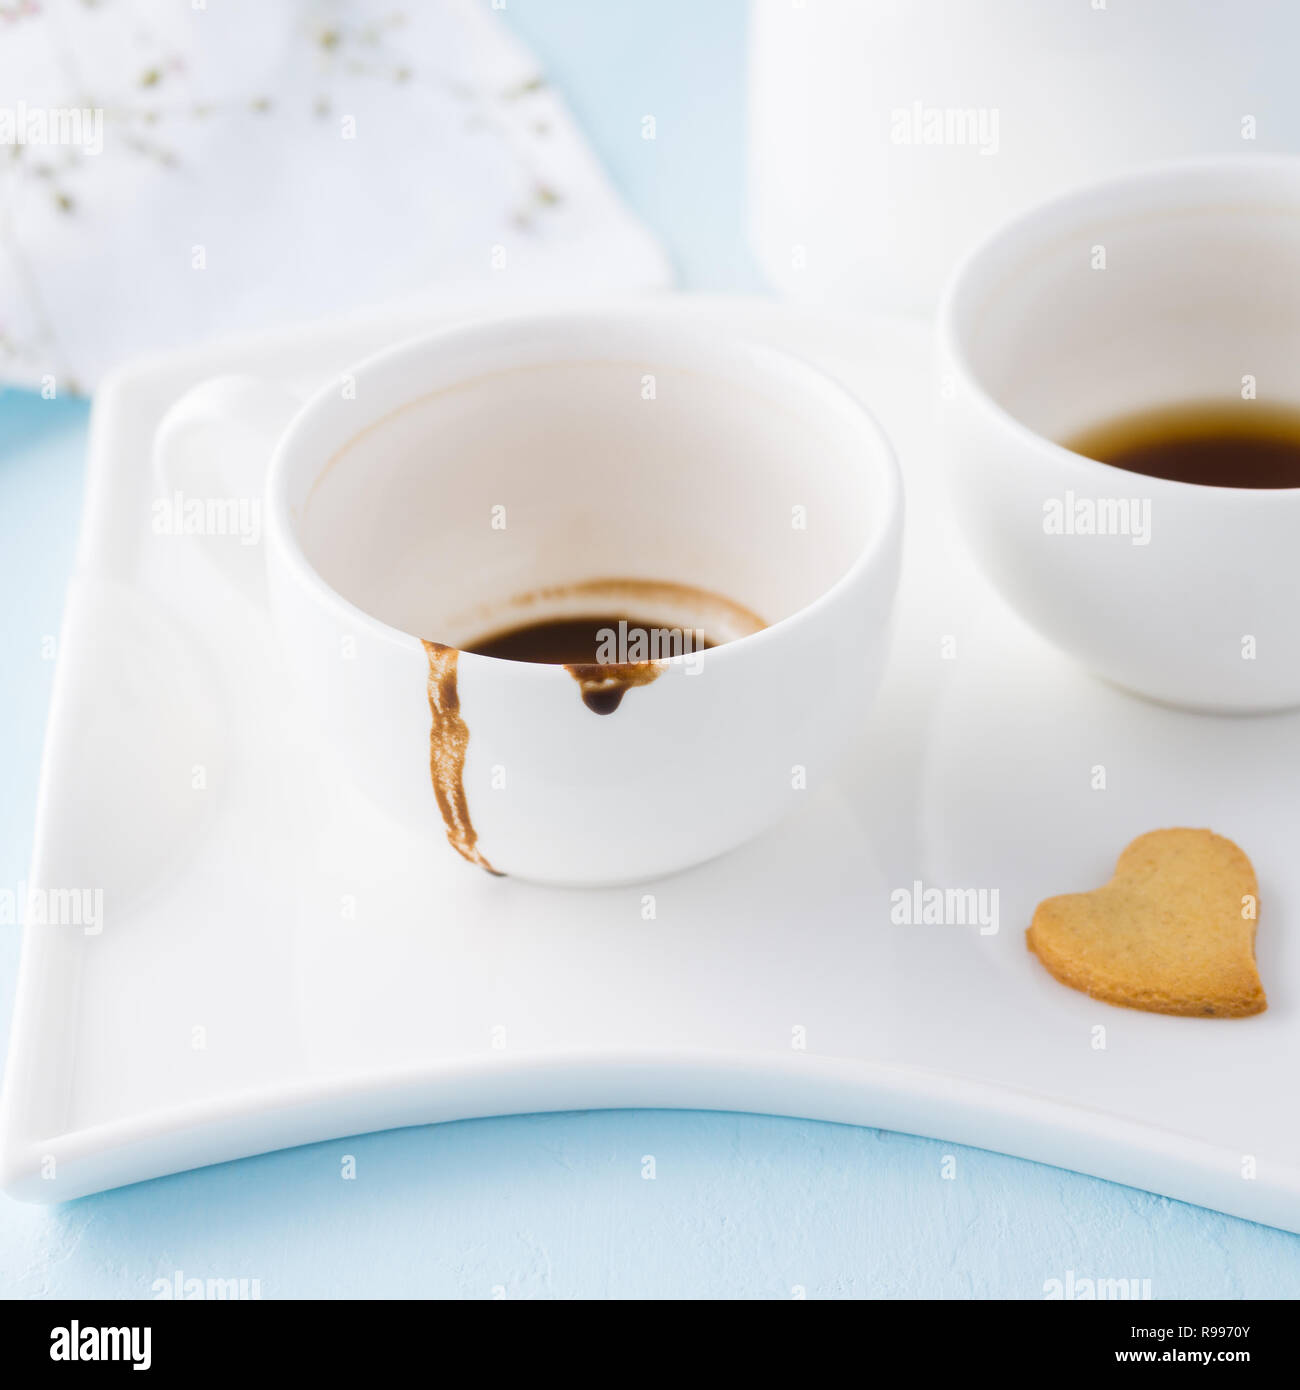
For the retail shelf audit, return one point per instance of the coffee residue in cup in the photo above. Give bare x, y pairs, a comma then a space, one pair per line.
1229, 443
448, 741
575, 644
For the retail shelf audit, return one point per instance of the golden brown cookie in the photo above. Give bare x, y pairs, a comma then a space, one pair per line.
1173, 932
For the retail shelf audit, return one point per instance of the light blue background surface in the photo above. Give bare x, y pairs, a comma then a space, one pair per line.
556, 1206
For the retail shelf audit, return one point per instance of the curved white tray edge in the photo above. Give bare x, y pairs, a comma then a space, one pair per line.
803, 1085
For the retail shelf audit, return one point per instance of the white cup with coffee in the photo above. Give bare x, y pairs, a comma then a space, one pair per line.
1117, 307
557, 468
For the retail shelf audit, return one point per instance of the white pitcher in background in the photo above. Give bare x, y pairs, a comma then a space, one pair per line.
886, 136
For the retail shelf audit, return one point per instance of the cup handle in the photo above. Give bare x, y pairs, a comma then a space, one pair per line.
212, 448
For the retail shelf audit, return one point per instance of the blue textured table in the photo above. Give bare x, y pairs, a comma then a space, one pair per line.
556, 1206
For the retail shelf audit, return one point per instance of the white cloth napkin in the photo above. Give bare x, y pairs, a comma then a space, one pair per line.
177, 173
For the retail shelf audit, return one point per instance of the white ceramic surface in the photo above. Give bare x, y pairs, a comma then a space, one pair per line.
449, 487
278, 965
1178, 285
886, 136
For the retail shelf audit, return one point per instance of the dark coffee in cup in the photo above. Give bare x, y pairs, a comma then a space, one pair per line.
1232, 443
564, 641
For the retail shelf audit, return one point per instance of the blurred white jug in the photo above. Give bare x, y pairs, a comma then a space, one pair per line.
886, 136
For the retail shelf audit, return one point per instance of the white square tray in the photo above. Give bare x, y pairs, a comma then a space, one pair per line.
279, 965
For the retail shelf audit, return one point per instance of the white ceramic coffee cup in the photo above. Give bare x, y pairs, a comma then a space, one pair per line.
482, 476
1181, 283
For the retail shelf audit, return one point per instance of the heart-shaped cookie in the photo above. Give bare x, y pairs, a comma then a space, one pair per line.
1173, 932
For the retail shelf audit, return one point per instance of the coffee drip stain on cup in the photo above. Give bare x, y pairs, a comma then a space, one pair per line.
549, 642
448, 741
589, 648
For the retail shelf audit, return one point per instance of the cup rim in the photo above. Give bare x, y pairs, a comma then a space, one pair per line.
1149, 187
663, 334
